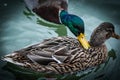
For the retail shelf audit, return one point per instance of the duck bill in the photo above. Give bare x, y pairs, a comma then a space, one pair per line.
115, 36
83, 41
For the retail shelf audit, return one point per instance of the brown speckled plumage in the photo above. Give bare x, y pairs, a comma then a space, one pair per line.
62, 55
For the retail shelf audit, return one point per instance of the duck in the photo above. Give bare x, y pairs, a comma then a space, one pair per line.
64, 55
47, 9
56, 11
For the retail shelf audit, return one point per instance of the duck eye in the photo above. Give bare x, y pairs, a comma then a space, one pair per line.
110, 30
107, 35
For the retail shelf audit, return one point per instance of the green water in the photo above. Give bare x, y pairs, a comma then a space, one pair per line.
20, 28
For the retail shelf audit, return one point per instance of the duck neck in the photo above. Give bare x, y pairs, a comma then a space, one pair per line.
96, 45
98, 38
96, 41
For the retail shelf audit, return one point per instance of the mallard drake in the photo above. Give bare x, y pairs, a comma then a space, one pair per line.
47, 9
61, 55
76, 26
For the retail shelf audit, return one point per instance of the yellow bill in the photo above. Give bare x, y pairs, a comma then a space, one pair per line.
83, 41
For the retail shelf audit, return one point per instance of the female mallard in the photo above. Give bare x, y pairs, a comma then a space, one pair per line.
56, 11
62, 55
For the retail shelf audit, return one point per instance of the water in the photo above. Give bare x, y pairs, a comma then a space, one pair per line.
18, 30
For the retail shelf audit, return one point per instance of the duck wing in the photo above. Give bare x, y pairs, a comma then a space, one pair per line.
50, 50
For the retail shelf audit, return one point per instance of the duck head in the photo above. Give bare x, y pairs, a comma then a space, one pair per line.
103, 32
76, 26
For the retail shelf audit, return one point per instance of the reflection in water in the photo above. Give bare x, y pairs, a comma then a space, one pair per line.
60, 30
17, 31
28, 13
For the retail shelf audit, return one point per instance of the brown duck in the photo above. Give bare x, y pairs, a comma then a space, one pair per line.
62, 55
47, 9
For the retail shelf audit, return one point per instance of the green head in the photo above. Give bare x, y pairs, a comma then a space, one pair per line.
73, 22
76, 26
